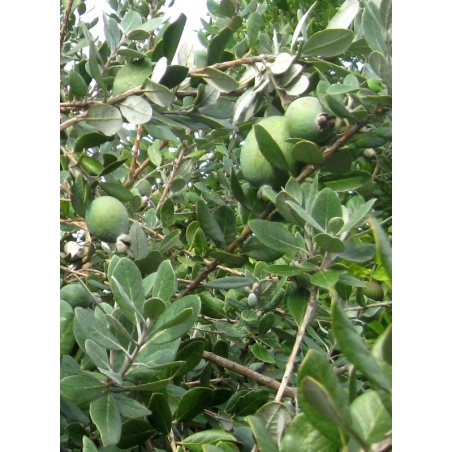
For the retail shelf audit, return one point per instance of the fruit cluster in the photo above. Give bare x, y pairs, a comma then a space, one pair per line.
304, 119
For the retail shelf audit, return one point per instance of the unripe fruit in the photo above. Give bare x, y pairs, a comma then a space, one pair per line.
374, 291
75, 295
106, 219
307, 120
255, 168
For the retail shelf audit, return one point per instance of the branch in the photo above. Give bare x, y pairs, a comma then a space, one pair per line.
309, 315
246, 372
373, 305
63, 30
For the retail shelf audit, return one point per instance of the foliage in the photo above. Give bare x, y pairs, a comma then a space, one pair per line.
232, 318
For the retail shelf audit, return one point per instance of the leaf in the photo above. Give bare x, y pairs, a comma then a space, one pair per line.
165, 281
345, 15
358, 216
72, 411
230, 282
132, 75
105, 414
301, 26
130, 408
158, 94
112, 32
172, 36
105, 118
117, 190
161, 416
298, 86
225, 217
80, 388
370, 417
134, 432
238, 192
383, 246
98, 354
243, 403
261, 435
354, 348
174, 332
307, 152
253, 26
139, 243
77, 84
192, 403
276, 417
88, 445
143, 31
131, 21
136, 110
301, 435
208, 222
328, 43
381, 67
346, 181
358, 252
219, 80
90, 140
95, 330
330, 243
325, 278
128, 276
373, 28
93, 65
262, 353
269, 148
326, 206
194, 442
274, 235
281, 63
304, 215
227, 258
297, 303
217, 45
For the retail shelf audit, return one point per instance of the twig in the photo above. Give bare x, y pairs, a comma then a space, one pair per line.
309, 315
135, 150
176, 166
63, 30
246, 372
373, 305
212, 381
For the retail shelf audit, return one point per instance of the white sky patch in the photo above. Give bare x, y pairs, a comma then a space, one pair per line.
193, 9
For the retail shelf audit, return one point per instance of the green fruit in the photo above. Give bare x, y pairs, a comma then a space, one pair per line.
75, 295
374, 291
255, 168
106, 219
307, 120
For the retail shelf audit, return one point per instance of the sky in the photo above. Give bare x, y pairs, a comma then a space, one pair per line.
193, 9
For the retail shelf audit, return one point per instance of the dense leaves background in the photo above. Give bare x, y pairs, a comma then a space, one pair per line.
238, 319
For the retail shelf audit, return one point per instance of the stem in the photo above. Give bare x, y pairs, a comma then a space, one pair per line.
309, 315
63, 30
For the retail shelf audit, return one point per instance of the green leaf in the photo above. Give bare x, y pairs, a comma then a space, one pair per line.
261, 435
98, 354
77, 84
131, 21
72, 411
208, 222
358, 216
161, 416
225, 218
130, 408
358, 252
336, 105
269, 148
128, 276
276, 417
143, 31
134, 432
93, 65
227, 258
139, 244
165, 282
132, 75
370, 417
136, 110
105, 118
154, 307
326, 206
328, 43
219, 80
105, 414
171, 38
80, 388
238, 191
373, 28
354, 348
158, 94
285, 270
381, 67
330, 243
325, 278
262, 353
193, 402
274, 235
194, 442
345, 181
95, 330
304, 215
117, 190
88, 445
297, 303
230, 282
383, 246
253, 27
302, 435
174, 332
243, 403
217, 45
345, 15
92, 166
307, 152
